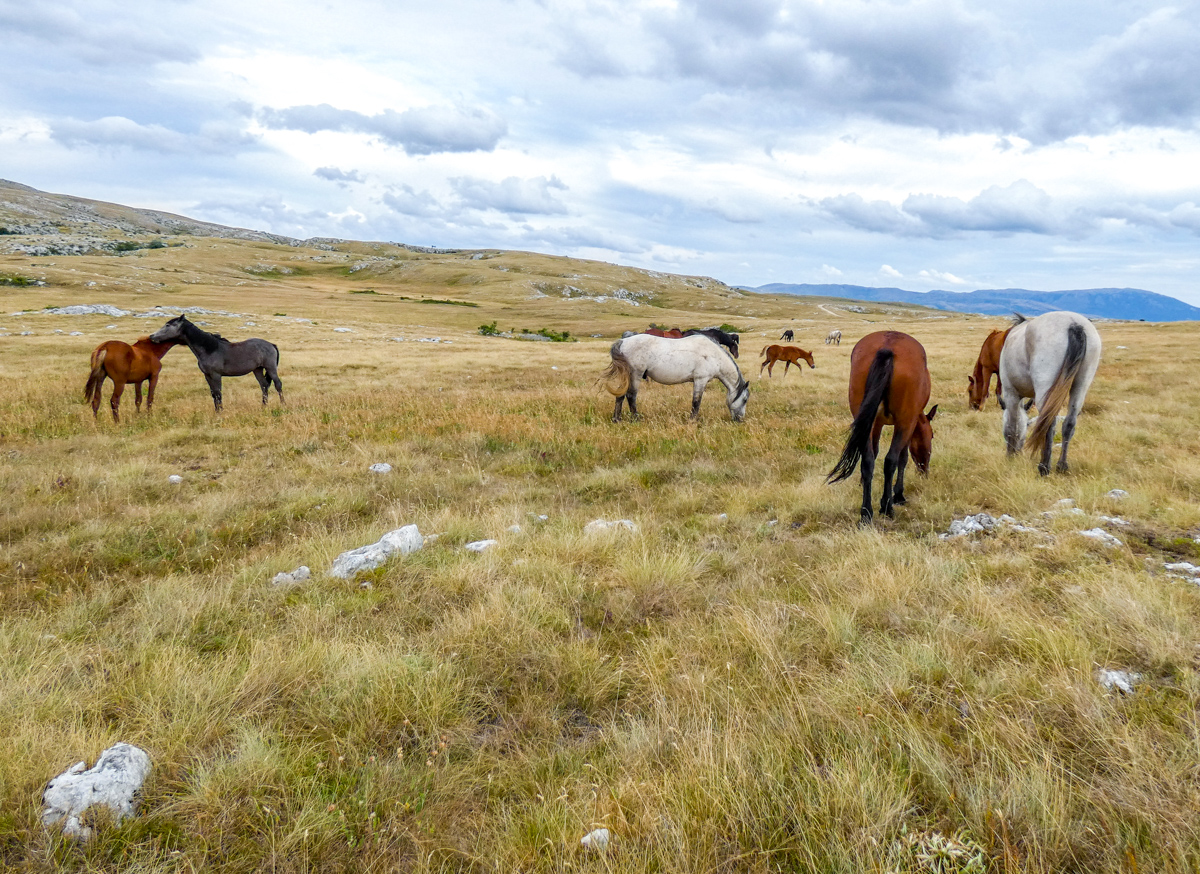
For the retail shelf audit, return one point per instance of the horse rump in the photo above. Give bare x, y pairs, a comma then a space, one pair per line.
96, 377
1060, 391
879, 380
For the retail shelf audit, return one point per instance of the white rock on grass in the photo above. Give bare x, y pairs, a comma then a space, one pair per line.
597, 840
1180, 568
514, 529
175, 479
1118, 681
599, 526
970, 525
480, 545
343, 331
1117, 494
380, 467
1102, 536
299, 575
114, 782
367, 558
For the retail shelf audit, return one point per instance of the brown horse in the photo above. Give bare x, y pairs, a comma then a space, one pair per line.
673, 333
788, 354
889, 385
123, 363
987, 364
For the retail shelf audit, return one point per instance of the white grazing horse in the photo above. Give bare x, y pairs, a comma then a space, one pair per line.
834, 336
670, 361
1050, 358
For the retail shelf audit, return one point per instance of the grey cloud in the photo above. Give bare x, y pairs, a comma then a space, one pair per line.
421, 131
512, 195
114, 41
404, 199
1017, 208
334, 174
118, 132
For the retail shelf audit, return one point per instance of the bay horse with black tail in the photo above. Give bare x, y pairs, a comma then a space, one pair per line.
219, 357
123, 364
788, 354
1052, 359
692, 359
889, 385
988, 363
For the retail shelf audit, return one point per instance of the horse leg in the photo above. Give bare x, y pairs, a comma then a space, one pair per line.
214, 386
273, 374
898, 495
761, 366
617, 409
1068, 428
137, 397
96, 396
891, 461
150, 392
115, 400
263, 382
631, 399
697, 396
868, 472
1015, 424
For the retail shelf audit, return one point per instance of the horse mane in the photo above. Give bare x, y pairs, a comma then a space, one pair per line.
196, 336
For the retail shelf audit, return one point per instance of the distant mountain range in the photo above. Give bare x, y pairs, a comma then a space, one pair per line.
1104, 303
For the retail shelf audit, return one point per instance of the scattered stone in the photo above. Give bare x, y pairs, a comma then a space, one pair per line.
299, 575
772, 523
722, 517
381, 467
366, 558
1117, 494
480, 545
76, 334
598, 525
1103, 536
514, 529
1118, 681
970, 525
597, 840
343, 331
175, 479
115, 782
1183, 567
540, 517
1114, 520
1065, 502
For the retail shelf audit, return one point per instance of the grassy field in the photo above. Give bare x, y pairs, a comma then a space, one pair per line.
747, 683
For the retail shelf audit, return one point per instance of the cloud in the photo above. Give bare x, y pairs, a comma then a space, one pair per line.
422, 131
876, 215
92, 39
407, 201
121, 132
941, 276
533, 196
333, 174
830, 271
890, 272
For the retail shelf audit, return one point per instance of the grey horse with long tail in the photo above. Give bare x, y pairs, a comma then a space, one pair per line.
219, 357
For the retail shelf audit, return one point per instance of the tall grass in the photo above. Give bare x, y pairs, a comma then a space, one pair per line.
749, 682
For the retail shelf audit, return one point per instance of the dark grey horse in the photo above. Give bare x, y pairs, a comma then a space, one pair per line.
218, 357
721, 338
789, 335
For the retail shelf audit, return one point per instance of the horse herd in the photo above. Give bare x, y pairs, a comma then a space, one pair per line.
1049, 361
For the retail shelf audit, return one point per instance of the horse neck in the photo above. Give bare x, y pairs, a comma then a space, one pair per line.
729, 374
199, 340
158, 350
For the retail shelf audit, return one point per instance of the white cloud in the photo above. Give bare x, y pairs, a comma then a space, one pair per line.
942, 276
420, 131
512, 195
890, 272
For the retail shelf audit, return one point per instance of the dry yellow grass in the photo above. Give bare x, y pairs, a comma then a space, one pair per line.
773, 690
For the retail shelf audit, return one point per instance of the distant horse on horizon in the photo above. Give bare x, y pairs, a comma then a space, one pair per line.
834, 336
1052, 359
123, 364
694, 359
219, 357
789, 335
889, 385
988, 363
788, 354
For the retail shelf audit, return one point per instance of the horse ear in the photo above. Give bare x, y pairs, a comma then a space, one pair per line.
970, 379
932, 412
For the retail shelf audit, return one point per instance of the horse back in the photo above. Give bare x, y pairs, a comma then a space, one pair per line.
909, 387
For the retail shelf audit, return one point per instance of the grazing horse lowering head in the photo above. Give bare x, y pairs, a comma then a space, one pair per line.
889, 385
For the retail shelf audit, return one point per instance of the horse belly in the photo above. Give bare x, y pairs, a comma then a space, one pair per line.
670, 374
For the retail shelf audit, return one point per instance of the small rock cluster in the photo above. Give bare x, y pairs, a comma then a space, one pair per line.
114, 782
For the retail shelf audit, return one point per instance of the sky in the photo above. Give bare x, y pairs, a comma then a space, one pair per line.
951, 144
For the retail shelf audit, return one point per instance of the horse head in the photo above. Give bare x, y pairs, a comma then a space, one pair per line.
977, 392
737, 400
921, 444
172, 330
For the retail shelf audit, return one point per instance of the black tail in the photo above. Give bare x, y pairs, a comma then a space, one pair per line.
879, 380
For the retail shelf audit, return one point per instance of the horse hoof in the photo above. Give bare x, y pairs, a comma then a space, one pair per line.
1044, 469
865, 518
1061, 467
900, 500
